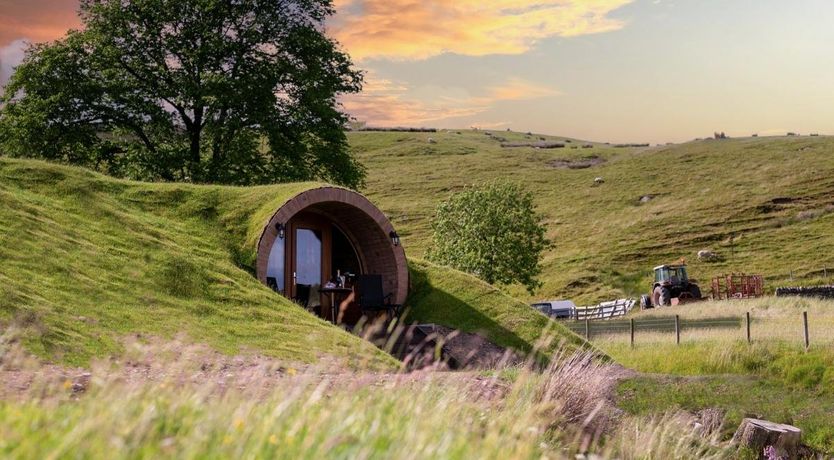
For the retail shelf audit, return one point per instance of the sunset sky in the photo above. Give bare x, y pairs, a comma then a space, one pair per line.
604, 70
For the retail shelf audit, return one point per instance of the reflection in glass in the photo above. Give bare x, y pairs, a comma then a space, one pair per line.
308, 261
275, 266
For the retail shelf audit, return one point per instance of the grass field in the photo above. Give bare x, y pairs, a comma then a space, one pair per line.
764, 204
774, 377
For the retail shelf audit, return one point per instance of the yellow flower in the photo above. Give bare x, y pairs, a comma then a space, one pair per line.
227, 440
291, 371
67, 384
239, 424
273, 439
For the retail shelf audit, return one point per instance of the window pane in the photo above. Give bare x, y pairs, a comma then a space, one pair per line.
275, 266
308, 261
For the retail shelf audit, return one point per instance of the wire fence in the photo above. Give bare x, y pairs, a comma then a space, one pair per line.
671, 324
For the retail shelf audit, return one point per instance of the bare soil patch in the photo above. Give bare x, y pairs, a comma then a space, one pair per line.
535, 145
576, 163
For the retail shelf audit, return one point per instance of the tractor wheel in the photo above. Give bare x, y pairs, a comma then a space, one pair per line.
663, 296
645, 302
695, 291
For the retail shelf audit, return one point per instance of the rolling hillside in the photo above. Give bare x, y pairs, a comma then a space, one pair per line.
766, 205
86, 260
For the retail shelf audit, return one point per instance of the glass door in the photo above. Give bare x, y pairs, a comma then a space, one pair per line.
310, 261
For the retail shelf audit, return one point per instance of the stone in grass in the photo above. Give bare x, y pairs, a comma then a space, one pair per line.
757, 435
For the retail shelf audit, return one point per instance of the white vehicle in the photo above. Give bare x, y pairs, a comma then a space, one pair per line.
558, 309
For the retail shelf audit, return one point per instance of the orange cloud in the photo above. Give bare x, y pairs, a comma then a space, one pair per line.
516, 89
387, 103
418, 29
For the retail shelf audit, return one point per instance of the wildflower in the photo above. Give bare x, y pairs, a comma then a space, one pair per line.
291, 371
227, 440
67, 384
239, 424
273, 439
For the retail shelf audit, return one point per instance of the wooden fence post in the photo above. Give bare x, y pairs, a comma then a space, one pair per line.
748, 328
805, 323
632, 332
587, 329
677, 329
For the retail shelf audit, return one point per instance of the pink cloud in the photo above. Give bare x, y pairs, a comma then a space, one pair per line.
37, 20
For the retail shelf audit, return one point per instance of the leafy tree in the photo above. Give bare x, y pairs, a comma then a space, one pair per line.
225, 91
492, 232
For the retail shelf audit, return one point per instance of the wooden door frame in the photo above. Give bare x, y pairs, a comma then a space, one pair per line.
311, 222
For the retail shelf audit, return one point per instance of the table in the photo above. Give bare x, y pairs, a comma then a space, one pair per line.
332, 293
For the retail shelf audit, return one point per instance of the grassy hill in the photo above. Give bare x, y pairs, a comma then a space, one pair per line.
766, 205
87, 260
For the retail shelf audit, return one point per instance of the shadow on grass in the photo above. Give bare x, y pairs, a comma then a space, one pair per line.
461, 302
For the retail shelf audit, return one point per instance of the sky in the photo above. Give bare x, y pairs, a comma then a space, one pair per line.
603, 70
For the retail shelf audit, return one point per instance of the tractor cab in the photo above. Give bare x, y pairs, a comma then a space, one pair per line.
670, 274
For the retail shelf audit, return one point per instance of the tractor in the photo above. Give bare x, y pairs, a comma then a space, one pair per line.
671, 286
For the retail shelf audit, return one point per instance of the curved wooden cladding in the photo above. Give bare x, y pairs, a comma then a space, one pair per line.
364, 224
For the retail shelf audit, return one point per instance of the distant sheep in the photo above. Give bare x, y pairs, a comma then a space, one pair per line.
707, 255
432, 141
599, 181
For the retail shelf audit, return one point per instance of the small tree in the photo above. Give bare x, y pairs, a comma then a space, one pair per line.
492, 232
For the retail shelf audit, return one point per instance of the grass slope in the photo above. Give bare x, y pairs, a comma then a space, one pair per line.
765, 204
87, 259
444, 296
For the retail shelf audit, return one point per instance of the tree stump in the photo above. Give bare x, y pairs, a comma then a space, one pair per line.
759, 434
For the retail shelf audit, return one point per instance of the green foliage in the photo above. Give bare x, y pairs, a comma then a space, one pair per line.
492, 232
205, 91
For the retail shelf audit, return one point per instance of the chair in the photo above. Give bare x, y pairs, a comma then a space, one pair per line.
272, 283
302, 295
370, 297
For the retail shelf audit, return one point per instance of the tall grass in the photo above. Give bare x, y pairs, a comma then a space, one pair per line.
559, 412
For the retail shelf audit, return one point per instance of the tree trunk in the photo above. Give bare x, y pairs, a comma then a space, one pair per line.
195, 134
760, 434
